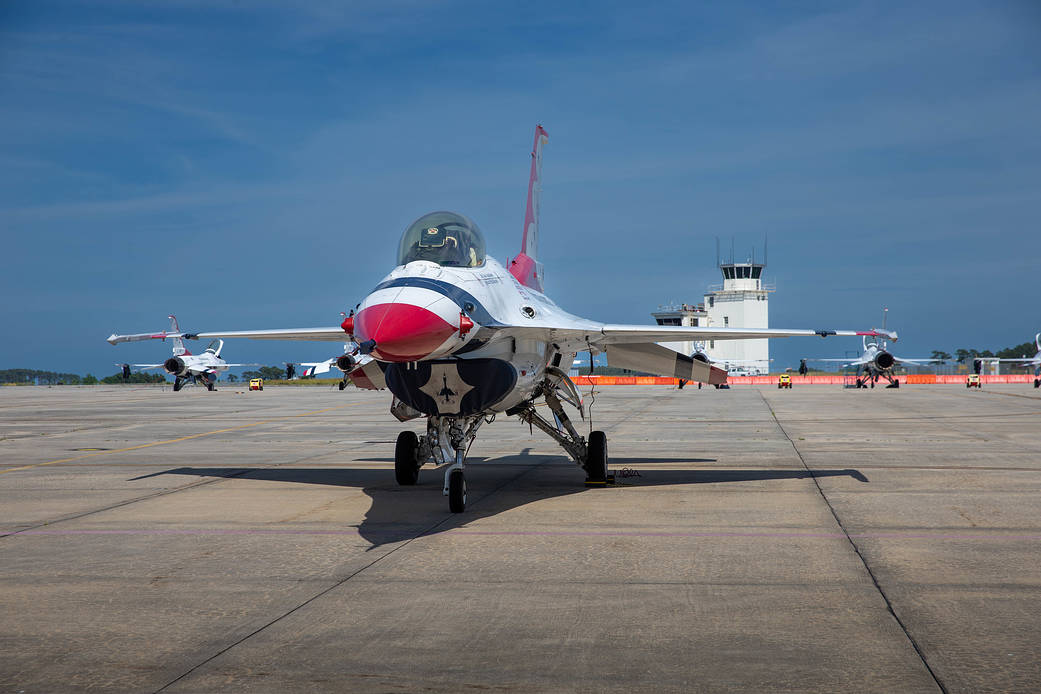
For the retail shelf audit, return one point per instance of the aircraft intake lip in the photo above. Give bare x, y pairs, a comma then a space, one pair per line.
401, 332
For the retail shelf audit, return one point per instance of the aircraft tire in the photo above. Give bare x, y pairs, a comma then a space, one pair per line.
596, 460
210, 386
342, 385
177, 384
456, 492
406, 467
1037, 382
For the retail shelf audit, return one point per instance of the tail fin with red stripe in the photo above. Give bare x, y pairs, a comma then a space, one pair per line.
526, 266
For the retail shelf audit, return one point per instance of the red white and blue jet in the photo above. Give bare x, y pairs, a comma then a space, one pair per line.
459, 338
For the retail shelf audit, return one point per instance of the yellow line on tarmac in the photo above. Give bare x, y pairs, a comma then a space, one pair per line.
183, 438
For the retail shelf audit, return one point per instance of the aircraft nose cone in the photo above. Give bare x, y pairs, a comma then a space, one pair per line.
402, 332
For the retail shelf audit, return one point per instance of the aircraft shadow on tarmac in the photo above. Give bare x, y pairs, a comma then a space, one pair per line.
496, 486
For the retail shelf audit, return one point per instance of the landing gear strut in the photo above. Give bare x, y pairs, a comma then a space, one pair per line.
445, 443
590, 455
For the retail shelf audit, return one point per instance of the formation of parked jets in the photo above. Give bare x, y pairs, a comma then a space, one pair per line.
459, 339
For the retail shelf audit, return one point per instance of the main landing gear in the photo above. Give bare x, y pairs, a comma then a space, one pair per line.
447, 439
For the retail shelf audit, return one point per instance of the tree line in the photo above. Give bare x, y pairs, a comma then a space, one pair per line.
1027, 349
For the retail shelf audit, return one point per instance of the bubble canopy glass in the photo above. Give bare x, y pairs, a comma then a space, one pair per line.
445, 238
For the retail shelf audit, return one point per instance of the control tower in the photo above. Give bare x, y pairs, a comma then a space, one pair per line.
742, 301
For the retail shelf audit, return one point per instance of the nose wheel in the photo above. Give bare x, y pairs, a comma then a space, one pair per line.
456, 491
455, 484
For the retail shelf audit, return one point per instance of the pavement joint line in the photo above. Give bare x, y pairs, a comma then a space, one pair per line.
177, 440
856, 550
420, 535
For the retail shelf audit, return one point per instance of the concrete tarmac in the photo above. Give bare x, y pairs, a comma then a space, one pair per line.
812, 540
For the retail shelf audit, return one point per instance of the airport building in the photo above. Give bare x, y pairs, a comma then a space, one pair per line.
741, 301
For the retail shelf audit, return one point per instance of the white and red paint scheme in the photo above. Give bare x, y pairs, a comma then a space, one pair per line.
459, 338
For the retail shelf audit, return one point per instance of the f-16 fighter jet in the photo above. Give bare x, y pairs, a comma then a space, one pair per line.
183, 365
349, 362
459, 339
1034, 361
876, 361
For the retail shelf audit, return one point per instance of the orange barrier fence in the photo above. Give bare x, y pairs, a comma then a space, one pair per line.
829, 380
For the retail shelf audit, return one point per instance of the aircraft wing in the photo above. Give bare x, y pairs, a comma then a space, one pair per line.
1024, 360
317, 367
847, 360
330, 334
144, 367
928, 362
622, 334
230, 365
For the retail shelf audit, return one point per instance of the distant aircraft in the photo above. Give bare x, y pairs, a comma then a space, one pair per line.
1034, 361
459, 339
351, 360
183, 365
874, 362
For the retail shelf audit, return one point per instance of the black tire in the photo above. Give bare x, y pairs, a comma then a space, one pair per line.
596, 458
1037, 382
406, 467
896, 383
456, 492
210, 386
342, 385
177, 384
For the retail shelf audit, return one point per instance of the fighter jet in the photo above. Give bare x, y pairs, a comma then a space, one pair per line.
183, 365
460, 339
876, 361
1034, 361
351, 360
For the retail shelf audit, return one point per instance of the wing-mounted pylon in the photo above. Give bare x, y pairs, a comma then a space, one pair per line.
653, 358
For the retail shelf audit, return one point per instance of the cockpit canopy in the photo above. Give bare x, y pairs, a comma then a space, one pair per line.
445, 238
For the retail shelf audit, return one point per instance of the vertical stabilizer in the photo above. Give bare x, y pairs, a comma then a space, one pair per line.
526, 267
178, 343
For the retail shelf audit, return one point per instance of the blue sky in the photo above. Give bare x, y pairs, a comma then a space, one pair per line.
250, 165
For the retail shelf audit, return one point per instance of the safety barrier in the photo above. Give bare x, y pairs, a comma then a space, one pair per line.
816, 380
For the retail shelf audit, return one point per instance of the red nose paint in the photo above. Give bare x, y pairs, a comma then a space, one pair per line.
402, 332
348, 325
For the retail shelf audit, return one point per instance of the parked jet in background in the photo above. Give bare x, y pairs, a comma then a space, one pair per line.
183, 365
1034, 361
459, 339
351, 360
876, 361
